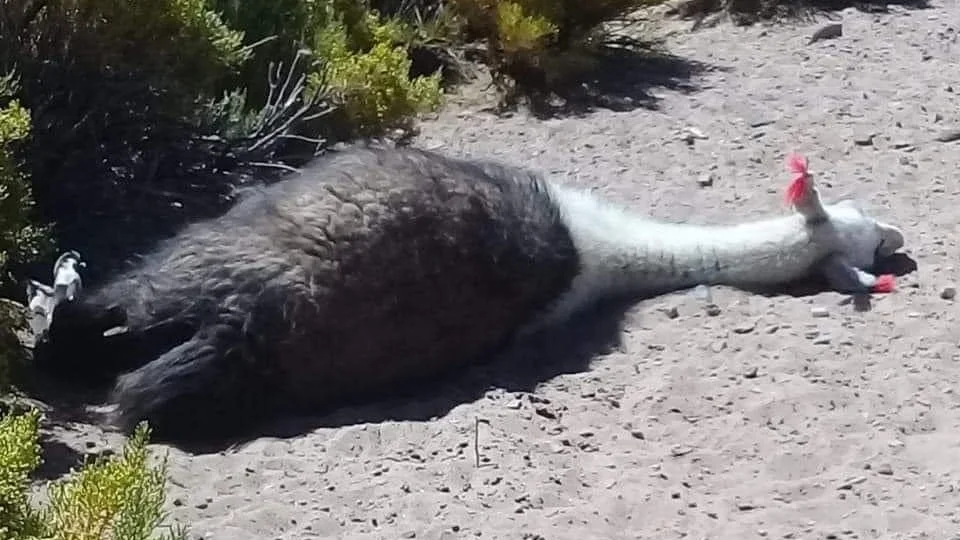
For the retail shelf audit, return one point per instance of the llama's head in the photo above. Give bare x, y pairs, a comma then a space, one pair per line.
859, 236
862, 237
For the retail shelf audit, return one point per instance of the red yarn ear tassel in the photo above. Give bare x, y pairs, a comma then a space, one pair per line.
800, 184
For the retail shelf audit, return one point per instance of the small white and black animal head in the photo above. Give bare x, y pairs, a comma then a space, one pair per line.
67, 283
69, 259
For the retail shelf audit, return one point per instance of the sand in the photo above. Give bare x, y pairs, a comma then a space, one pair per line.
790, 416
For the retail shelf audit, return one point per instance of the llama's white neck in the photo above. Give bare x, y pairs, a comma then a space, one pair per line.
625, 253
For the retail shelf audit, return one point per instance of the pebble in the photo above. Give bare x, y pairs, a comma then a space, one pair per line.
864, 140
848, 484
671, 312
823, 339
819, 312
885, 469
745, 328
713, 310
751, 373
948, 293
707, 180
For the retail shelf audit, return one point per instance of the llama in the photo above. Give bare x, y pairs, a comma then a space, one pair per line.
378, 268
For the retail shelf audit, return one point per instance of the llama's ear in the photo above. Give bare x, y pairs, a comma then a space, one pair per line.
891, 239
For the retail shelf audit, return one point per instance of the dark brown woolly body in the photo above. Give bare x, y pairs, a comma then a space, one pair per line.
372, 270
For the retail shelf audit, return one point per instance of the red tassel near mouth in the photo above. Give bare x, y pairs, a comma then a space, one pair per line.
885, 283
800, 184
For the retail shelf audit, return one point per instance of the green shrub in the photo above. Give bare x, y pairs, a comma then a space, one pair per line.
526, 39
21, 239
117, 497
364, 66
361, 59
13, 355
162, 41
19, 456
137, 125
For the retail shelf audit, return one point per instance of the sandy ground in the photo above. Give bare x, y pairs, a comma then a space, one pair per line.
767, 419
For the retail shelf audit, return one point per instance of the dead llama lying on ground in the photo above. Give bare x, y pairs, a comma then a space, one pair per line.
377, 268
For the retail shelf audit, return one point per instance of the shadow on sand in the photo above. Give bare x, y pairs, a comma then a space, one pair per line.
619, 75
898, 264
521, 366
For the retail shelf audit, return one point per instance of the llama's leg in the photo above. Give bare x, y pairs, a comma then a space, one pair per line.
846, 278
205, 387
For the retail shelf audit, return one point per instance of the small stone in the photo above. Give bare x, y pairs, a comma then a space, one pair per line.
848, 484
819, 312
751, 373
409, 534
718, 346
948, 293
864, 140
745, 328
885, 469
546, 413
830, 31
707, 180
823, 339
671, 312
637, 434
713, 310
